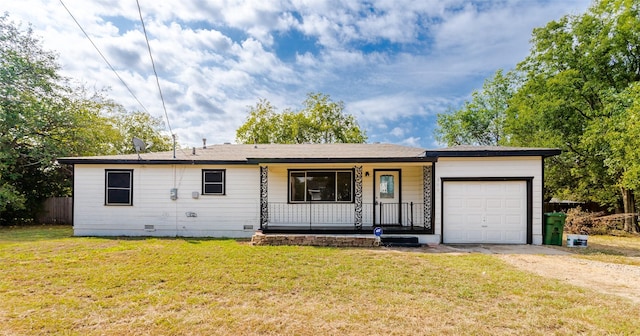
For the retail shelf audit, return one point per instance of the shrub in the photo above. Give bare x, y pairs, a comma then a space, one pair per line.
592, 223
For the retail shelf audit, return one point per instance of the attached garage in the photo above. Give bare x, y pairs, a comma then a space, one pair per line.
492, 211
489, 195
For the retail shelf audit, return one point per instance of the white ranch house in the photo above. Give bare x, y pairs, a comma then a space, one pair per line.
450, 195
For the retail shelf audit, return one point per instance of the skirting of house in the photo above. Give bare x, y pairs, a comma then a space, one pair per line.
315, 240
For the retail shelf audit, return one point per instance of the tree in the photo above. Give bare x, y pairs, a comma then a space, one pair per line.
326, 122
137, 124
578, 80
42, 117
619, 134
578, 91
481, 120
260, 124
29, 108
320, 121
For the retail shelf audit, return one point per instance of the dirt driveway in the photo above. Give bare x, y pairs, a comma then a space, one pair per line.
606, 278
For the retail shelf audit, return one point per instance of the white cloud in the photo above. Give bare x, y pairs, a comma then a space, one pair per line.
395, 63
412, 141
397, 132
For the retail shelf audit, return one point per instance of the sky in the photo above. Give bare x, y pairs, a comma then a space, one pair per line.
395, 64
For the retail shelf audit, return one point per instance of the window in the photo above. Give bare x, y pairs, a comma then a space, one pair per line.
321, 186
386, 186
213, 182
119, 187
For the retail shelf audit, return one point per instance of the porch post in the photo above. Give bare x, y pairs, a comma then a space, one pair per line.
427, 195
264, 203
358, 197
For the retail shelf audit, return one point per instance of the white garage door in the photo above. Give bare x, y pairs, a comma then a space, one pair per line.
492, 212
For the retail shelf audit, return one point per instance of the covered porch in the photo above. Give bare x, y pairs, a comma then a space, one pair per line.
408, 211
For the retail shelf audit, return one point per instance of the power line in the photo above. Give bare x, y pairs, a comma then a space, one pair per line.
154, 70
104, 58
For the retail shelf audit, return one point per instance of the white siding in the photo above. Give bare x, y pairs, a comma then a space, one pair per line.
217, 215
493, 167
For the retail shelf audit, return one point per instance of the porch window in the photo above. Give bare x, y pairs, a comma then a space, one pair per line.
321, 186
213, 182
118, 187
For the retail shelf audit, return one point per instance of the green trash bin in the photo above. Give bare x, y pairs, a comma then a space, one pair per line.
554, 226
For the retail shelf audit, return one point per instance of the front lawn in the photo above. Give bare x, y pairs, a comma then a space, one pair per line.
52, 283
612, 249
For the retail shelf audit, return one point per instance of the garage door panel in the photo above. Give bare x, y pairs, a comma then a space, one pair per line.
457, 235
494, 220
473, 235
514, 204
514, 188
514, 236
456, 203
492, 235
493, 212
474, 203
458, 219
514, 220
494, 203
458, 189
493, 188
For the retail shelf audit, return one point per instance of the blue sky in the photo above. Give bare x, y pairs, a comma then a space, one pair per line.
395, 64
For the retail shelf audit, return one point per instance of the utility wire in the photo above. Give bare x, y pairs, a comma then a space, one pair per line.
154, 70
104, 58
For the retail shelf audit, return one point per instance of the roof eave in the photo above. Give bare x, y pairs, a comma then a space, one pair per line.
74, 161
341, 160
488, 153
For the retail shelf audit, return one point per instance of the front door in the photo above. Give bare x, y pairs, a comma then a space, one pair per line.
387, 197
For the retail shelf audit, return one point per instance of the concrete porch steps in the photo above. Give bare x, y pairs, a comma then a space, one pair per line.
396, 241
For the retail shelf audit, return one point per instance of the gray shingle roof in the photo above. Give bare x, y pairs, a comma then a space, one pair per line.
231, 153
309, 153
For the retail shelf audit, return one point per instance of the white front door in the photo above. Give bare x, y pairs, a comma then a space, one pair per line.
485, 212
387, 197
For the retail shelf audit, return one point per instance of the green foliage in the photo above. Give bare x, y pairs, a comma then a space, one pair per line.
481, 120
30, 108
320, 121
578, 91
620, 133
137, 124
326, 122
578, 94
42, 117
260, 124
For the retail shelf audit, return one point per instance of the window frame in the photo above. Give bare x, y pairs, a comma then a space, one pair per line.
107, 188
223, 183
335, 171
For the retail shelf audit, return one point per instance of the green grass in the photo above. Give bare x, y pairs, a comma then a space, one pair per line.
55, 284
34, 233
613, 249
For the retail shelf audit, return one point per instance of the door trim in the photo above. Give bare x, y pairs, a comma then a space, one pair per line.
375, 205
527, 179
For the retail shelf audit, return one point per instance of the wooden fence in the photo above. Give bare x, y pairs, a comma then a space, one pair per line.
57, 210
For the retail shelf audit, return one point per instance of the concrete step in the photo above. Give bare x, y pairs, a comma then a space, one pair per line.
397, 241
